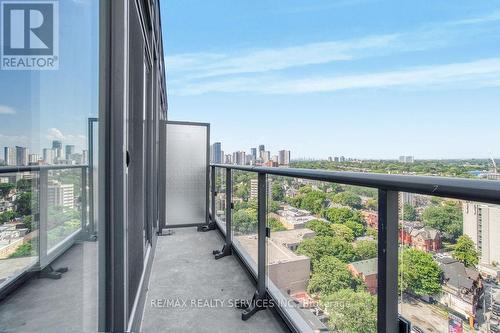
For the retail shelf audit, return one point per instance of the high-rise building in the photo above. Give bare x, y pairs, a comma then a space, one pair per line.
33, 159
61, 195
253, 152
215, 152
69, 150
9, 154
275, 159
254, 188
21, 155
85, 156
261, 148
482, 225
284, 157
48, 155
265, 156
228, 159
57, 146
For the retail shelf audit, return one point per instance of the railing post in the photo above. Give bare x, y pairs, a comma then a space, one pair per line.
258, 300
227, 249
43, 217
213, 192
85, 226
387, 289
229, 207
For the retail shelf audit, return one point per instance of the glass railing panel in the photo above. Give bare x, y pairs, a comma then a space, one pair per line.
19, 220
322, 252
244, 218
64, 206
449, 256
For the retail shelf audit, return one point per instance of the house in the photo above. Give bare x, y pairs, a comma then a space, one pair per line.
423, 238
367, 271
462, 287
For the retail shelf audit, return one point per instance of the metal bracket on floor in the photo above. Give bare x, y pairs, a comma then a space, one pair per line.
208, 227
226, 251
258, 303
50, 273
165, 232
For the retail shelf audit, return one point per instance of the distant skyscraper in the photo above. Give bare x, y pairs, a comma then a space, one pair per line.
215, 153
48, 155
69, 150
57, 146
21, 155
253, 152
9, 155
85, 157
62, 195
284, 157
33, 159
262, 148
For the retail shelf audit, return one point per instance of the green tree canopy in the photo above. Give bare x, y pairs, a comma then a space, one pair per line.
313, 201
320, 246
5, 188
8, 216
419, 274
321, 228
342, 231
351, 311
347, 199
465, 251
275, 225
447, 218
278, 194
366, 249
331, 275
23, 203
245, 221
348, 217
409, 212
371, 204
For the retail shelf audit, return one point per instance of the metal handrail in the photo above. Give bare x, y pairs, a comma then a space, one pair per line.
465, 189
28, 168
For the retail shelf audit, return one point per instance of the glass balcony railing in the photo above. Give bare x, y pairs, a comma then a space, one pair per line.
44, 211
358, 252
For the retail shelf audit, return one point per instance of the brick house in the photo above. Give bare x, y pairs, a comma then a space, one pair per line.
367, 271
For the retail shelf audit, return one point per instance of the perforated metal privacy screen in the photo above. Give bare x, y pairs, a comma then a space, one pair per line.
187, 173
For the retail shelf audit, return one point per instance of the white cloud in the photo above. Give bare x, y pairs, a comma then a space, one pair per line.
56, 134
6, 110
191, 66
469, 75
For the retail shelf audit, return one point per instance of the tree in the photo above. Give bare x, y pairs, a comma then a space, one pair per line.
348, 217
320, 246
245, 221
275, 225
447, 218
273, 206
242, 191
5, 188
7, 216
465, 251
342, 231
23, 184
409, 212
23, 203
277, 192
347, 199
351, 311
366, 249
23, 250
321, 228
419, 274
330, 275
313, 201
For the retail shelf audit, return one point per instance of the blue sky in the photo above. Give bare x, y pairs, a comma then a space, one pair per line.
360, 78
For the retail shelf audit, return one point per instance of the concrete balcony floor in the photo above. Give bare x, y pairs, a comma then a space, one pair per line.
190, 291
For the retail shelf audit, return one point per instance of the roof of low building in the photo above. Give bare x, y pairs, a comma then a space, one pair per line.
366, 267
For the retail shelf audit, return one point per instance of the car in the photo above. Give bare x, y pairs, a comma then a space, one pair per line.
416, 329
